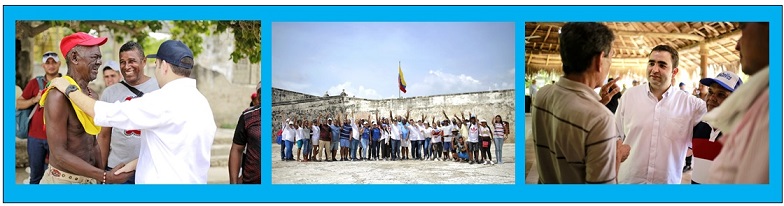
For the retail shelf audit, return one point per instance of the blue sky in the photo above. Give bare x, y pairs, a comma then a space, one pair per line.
362, 57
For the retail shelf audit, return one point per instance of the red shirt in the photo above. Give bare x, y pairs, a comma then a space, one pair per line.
37, 129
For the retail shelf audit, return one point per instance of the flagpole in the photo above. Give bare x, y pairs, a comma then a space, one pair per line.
398, 81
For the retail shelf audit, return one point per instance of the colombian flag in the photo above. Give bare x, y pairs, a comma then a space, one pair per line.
400, 80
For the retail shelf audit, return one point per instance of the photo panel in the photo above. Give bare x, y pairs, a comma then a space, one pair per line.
351, 82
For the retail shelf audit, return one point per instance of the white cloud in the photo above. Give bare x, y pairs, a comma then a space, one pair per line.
351, 90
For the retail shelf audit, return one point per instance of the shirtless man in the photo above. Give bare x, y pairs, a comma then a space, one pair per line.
74, 152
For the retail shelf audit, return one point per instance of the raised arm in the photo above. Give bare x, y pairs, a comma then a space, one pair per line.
445, 116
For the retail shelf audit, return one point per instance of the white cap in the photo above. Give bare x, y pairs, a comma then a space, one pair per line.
726, 79
291, 122
329, 119
365, 122
483, 120
112, 64
50, 54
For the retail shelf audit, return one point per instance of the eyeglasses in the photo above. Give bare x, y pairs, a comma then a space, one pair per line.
50, 54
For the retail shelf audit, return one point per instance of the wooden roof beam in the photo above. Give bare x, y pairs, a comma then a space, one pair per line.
661, 35
733, 34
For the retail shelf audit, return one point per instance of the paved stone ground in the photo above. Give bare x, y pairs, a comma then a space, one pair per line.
393, 172
531, 173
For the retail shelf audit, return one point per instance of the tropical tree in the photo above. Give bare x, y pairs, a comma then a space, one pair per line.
247, 36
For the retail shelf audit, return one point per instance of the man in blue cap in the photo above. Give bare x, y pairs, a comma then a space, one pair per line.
705, 141
176, 121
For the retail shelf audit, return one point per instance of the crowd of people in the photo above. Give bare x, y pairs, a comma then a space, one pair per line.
393, 139
140, 129
644, 138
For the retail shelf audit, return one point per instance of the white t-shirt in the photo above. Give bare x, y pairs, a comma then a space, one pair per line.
385, 135
178, 129
473, 133
395, 132
413, 132
300, 134
316, 132
354, 130
428, 132
289, 133
447, 132
436, 135
125, 144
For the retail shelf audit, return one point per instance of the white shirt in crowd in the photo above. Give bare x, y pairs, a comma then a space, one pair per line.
436, 136
354, 130
395, 132
473, 132
659, 133
178, 129
447, 132
428, 132
316, 131
289, 133
413, 132
300, 134
385, 135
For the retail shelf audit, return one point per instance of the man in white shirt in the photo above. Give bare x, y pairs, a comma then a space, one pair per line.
656, 120
744, 116
176, 121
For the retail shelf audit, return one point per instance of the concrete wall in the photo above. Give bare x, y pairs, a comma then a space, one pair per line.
485, 104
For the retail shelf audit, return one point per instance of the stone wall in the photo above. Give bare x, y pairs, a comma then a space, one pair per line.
282, 95
485, 104
226, 99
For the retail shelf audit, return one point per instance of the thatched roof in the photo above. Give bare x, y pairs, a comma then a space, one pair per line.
634, 40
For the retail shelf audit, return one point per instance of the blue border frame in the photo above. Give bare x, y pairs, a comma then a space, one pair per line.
499, 193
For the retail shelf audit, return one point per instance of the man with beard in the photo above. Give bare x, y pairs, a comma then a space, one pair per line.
656, 120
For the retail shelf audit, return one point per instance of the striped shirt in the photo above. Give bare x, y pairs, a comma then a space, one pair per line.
346, 131
574, 135
499, 130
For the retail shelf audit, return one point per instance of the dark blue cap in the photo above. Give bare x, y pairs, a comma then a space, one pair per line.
173, 52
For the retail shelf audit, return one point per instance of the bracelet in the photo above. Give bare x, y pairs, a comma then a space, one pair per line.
104, 178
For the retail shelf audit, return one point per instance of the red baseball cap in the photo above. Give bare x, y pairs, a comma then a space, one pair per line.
254, 95
79, 38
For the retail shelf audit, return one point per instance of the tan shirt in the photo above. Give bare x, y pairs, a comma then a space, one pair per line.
575, 135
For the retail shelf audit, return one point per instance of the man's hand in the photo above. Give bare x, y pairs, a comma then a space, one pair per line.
609, 90
60, 83
623, 150
122, 177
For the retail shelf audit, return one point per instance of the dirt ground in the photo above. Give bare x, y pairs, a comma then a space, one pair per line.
393, 172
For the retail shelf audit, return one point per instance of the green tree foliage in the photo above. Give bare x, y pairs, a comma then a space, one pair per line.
247, 35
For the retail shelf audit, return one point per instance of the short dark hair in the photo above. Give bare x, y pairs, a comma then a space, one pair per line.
672, 51
132, 45
182, 71
581, 41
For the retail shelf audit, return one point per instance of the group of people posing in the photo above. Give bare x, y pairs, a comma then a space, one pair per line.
393, 138
646, 139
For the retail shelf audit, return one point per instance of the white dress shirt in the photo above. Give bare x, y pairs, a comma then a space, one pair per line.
659, 133
177, 132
